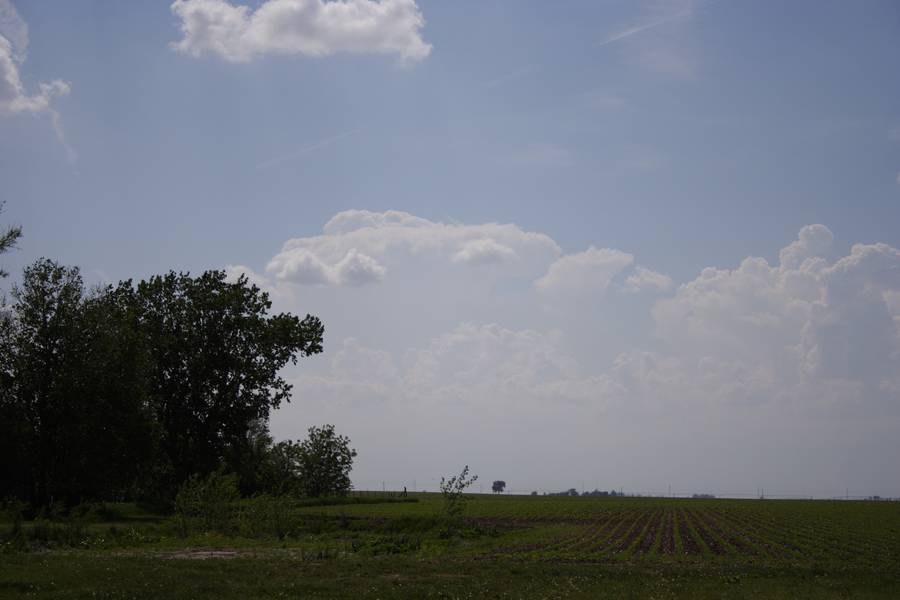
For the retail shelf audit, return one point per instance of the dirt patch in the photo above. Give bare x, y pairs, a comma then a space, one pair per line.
667, 545
648, 541
203, 554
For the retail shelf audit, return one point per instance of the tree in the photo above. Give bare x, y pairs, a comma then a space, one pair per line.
498, 486
452, 491
74, 422
128, 391
215, 357
321, 463
8, 240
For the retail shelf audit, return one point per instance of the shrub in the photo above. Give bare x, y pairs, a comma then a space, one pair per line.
206, 502
267, 516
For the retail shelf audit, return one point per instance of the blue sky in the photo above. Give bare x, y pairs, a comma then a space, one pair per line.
684, 135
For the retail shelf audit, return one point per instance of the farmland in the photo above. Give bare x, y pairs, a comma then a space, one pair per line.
518, 546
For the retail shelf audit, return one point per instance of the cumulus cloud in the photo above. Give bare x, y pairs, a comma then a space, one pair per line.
804, 319
303, 266
782, 356
315, 28
812, 241
357, 247
482, 252
645, 279
592, 269
358, 269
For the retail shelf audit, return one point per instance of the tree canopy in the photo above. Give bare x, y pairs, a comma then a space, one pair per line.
319, 465
128, 390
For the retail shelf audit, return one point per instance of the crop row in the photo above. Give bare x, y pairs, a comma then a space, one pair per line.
708, 532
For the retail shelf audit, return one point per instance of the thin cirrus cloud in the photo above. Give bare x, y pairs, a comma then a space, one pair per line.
626, 33
661, 43
305, 151
313, 28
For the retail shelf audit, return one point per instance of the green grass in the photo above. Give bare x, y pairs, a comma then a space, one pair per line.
508, 547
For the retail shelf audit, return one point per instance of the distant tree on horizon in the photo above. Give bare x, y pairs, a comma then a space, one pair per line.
498, 486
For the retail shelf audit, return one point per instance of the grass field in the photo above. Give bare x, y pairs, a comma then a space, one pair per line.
508, 546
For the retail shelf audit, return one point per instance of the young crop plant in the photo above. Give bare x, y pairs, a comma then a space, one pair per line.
454, 501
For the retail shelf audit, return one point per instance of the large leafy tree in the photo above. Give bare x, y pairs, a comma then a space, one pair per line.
38, 336
73, 415
215, 357
130, 390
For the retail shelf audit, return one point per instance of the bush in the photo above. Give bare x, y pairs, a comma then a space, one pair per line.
267, 516
13, 511
97, 512
452, 492
206, 502
389, 544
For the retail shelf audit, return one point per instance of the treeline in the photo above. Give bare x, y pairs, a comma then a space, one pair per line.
574, 492
126, 391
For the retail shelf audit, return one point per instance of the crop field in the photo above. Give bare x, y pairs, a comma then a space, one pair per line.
504, 546
773, 532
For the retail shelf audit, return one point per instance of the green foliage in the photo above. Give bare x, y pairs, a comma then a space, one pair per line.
346, 500
319, 466
206, 502
8, 240
126, 391
73, 418
215, 362
266, 517
388, 544
452, 492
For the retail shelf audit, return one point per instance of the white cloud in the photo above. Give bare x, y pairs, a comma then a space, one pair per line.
482, 252
805, 319
303, 266
359, 246
812, 241
645, 279
238, 33
593, 269
358, 269
14, 99
300, 266
14, 29
542, 370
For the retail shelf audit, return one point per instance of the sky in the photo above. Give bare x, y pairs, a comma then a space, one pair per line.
640, 245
